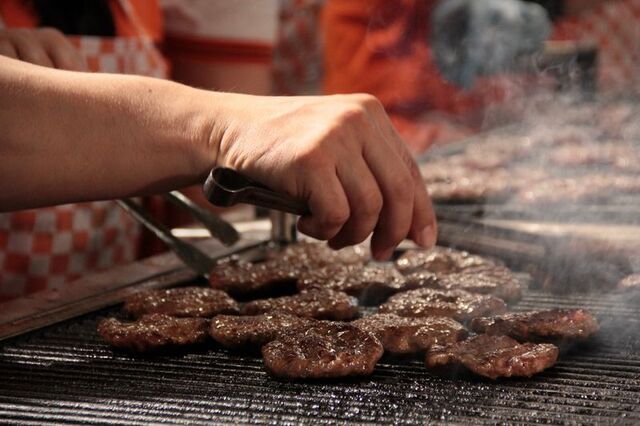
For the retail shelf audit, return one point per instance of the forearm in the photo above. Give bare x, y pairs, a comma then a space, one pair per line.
76, 136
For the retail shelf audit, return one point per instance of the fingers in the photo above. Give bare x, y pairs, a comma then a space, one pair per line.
46, 47
397, 189
62, 53
6, 49
423, 229
30, 49
365, 203
328, 205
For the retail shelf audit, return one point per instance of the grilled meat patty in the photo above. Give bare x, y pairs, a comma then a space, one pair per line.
440, 260
402, 335
153, 331
254, 331
250, 280
553, 324
327, 349
181, 302
494, 356
497, 281
372, 284
458, 304
279, 273
308, 255
319, 304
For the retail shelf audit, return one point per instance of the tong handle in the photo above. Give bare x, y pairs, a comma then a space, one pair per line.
226, 187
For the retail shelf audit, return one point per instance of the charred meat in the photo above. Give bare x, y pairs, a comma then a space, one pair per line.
325, 350
440, 260
246, 280
457, 304
319, 304
494, 356
254, 331
553, 324
372, 284
181, 302
402, 335
153, 332
497, 281
307, 255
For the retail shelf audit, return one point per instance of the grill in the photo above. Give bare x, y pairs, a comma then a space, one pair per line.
65, 374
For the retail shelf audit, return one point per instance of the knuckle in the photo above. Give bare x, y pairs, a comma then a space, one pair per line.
402, 187
371, 203
51, 33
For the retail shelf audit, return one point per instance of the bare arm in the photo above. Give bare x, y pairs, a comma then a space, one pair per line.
70, 136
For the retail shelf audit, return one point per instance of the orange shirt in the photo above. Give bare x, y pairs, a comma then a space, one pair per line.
382, 48
17, 13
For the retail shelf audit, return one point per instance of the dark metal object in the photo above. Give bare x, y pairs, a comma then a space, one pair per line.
226, 187
66, 375
217, 227
190, 254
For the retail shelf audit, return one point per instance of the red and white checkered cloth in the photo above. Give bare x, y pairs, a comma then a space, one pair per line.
615, 27
48, 248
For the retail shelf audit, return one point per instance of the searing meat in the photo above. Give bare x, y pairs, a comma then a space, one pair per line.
279, 273
553, 324
181, 302
319, 304
244, 279
631, 282
254, 331
307, 255
457, 304
440, 260
153, 331
372, 284
494, 280
402, 335
324, 350
494, 356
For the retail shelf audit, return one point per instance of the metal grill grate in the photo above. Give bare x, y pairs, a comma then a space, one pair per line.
65, 375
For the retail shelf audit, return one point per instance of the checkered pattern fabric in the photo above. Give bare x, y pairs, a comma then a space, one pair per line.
615, 27
297, 57
48, 248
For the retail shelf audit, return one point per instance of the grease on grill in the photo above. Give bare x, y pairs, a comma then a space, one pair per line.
181, 302
371, 284
458, 304
325, 350
552, 324
250, 332
494, 356
319, 304
402, 335
153, 331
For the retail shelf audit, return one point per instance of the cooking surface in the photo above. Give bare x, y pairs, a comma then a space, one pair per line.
66, 374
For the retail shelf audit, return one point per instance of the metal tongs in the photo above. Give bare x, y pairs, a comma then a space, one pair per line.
226, 187
191, 255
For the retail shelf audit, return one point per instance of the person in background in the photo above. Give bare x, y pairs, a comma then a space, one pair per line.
48, 247
388, 49
70, 136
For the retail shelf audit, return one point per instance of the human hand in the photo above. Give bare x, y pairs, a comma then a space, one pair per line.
472, 38
47, 47
340, 154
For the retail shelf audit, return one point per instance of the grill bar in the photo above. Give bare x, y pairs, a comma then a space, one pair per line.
65, 375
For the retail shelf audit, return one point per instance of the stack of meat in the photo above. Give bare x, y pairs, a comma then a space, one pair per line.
584, 153
427, 302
